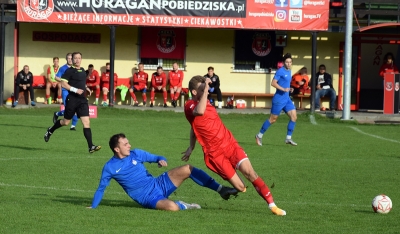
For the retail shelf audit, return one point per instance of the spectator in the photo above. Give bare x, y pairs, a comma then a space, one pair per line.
158, 83
388, 64
214, 86
300, 81
175, 83
140, 80
93, 81
51, 82
24, 81
324, 87
105, 79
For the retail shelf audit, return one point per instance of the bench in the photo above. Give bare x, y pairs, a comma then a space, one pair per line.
252, 95
301, 96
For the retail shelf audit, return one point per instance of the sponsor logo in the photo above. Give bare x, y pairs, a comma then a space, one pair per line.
280, 15
396, 86
281, 3
296, 3
389, 86
295, 16
118, 170
264, 1
308, 16
261, 14
166, 42
261, 45
314, 3
134, 162
38, 9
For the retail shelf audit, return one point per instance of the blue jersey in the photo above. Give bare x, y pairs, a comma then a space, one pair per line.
283, 77
130, 173
61, 71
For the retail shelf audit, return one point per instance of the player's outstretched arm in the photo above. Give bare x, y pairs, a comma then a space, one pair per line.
188, 152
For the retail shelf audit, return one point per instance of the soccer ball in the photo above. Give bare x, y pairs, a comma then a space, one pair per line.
382, 204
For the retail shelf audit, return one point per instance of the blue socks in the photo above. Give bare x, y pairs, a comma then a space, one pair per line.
290, 127
60, 113
74, 119
203, 179
265, 126
181, 206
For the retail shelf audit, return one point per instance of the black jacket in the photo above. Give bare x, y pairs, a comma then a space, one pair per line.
327, 80
214, 80
23, 78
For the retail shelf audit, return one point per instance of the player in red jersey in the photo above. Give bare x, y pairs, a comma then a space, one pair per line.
158, 83
175, 83
93, 81
140, 80
388, 65
222, 153
105, 80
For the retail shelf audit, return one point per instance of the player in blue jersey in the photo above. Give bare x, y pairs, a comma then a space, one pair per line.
59, 74
281, 101
127, 168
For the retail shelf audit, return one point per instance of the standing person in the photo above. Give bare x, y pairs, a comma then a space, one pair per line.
175, 83
388, 64
65, 93
222, 153
24, 81
140, 80
324, 88
159, 83
214, 86
93, 81
51, 81
105, 79
128, 169
74, 80
281, 101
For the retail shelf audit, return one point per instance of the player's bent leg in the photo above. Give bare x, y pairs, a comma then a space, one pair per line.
167, 204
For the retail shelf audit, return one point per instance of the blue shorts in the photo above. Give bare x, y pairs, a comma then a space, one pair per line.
285, 106
144, 90
163, 188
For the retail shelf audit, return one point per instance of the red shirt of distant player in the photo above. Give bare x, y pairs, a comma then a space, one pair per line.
93, 79
140, 80
388, 67
175, 78
105, 79
158, 80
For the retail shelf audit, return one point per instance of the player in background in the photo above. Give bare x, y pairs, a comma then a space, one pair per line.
105, 79
222, 153
159, 83
281, 101
51, 81
175, 83
93, 81
140, 80
128, 169
65, 92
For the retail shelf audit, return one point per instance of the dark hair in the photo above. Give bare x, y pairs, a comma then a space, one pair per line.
56, 58
210, 68
114, 141
195, 81
68, 54
159, 67
287, 56
75, 53
107, 64
90, 66
322, 65
385, 58
141, 64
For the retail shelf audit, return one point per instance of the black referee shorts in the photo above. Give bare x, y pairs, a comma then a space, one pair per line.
78, 105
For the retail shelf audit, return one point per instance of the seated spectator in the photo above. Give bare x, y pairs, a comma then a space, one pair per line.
105, 80
158, 83
175, 83
52, 83
388, 65
214, 86
140, 80
24, 81
299, 82
324, 88
93, 81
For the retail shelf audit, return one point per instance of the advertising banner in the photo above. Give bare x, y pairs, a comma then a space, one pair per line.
245, 14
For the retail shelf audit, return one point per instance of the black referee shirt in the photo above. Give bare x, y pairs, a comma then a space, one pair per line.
75, 78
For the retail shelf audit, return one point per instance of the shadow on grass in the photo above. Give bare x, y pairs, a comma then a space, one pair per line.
24, 126
85, 202
21, 147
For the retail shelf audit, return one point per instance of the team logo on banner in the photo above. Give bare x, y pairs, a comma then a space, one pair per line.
389, 86
166, 41
396, 86
261, 44
38, 9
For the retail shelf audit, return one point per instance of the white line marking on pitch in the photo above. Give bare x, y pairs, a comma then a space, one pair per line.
312, 120
50, 158
375, 136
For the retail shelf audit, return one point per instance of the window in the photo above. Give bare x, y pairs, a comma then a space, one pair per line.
256, 51
153, 63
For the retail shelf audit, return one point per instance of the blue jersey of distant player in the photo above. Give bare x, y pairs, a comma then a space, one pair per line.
61, 72
283, 76
131, 174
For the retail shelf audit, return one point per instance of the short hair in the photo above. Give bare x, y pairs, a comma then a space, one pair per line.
114, 141
25, 66
141, 64
385, 58
175, 63
287, 56
159, 67
210, 68
75, 53
90, 66
322, 65
54, 58
193, 83
107, 64
68, 54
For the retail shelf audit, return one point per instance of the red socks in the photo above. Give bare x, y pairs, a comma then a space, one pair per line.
165, 96
152, 95
263, 190
144, 97
97, 93
176, 96
171, 95
105, 97
133, 96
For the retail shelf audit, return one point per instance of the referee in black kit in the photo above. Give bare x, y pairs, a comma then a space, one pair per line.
74, 80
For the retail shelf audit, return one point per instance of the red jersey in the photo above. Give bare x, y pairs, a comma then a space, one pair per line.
175, 78
140, 80
385, 67
158, 80
105, 79
297, 78
55, 69
93, 79
210, 132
